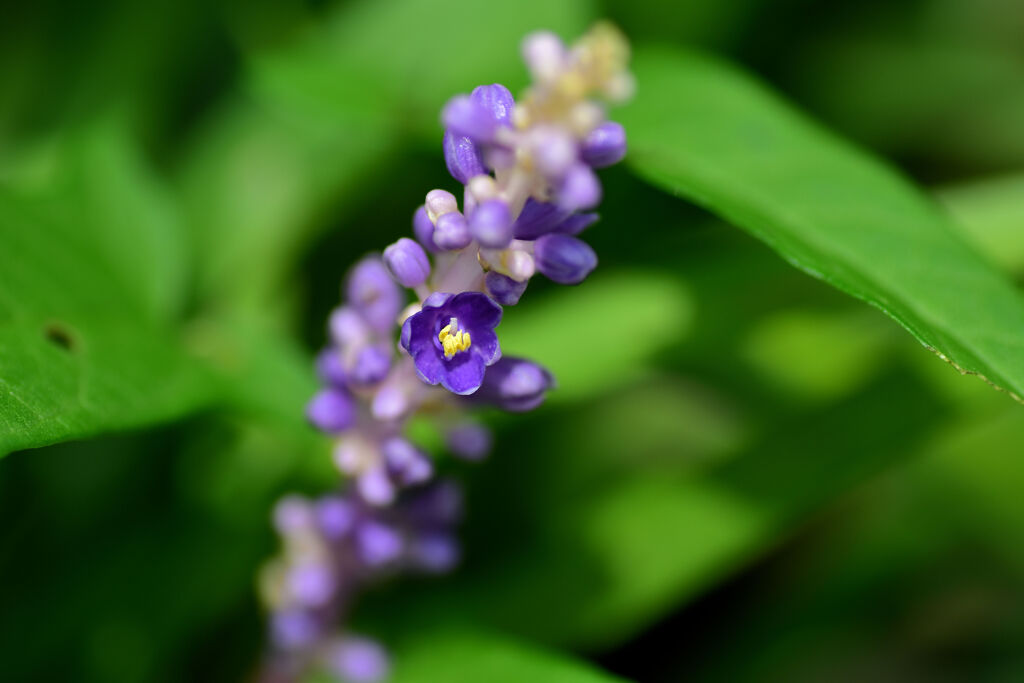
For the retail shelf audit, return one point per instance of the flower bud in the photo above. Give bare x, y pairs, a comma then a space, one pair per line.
329, 367
470, 441
311, 583
292, 515
452, 231
375, 486
462, 157
465, 117
293, 629
335, 517
391, 400
515, 385
377, 543
405, 463
332, 410
553, 151
440, 202
576, 223
423, 228
491, 224
435, 552
358, 660
605, 145
374, 294
580, 189
371, 365
538, 218
407, 262
347, 328
504, 289
497, 100
544, 54
564, 259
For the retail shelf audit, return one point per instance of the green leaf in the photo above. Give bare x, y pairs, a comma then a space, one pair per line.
992, 215
705, 131
471, 656
89, 278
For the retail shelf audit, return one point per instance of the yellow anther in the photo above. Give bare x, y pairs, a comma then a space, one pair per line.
453, 342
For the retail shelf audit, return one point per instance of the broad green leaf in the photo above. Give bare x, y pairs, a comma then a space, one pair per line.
992, 215
934, 98
705, 131
89, 277
474, 655
99, 181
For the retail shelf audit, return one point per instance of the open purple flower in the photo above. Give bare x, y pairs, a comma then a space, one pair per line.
452, 339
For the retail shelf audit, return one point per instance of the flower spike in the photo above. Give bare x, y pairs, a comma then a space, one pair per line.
527, 170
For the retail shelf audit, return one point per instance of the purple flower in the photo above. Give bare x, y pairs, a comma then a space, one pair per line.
437, 552
504, 289
405, 463
371, 365
474, 119
462, 157
292, 514
452, 231
541, 218
407, 262
377, 543
336, 517
358, 660
605, 145
375, 486
515, 384
374, 294
452, 339
329, 367
564, 259
470, 440
491, 224
293, 629
538, 218
580, 189
497, 100
423, 228
576, 223
311, 583
332, 410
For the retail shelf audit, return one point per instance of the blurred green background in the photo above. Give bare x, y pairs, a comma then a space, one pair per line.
774, 483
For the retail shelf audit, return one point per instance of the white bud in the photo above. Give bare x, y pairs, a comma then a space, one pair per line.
620, 87
482, 188
585, 117
519, 265
544, 54
440, 202
553, 150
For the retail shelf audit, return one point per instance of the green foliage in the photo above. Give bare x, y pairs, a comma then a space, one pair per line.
90, 277
467, 656
177, 183
706, 131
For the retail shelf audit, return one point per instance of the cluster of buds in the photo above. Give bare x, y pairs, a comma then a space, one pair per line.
333, 548
529, 188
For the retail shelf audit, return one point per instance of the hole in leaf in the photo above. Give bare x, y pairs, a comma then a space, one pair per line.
60, 335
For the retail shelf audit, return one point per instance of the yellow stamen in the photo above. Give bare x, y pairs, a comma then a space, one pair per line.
453, 342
